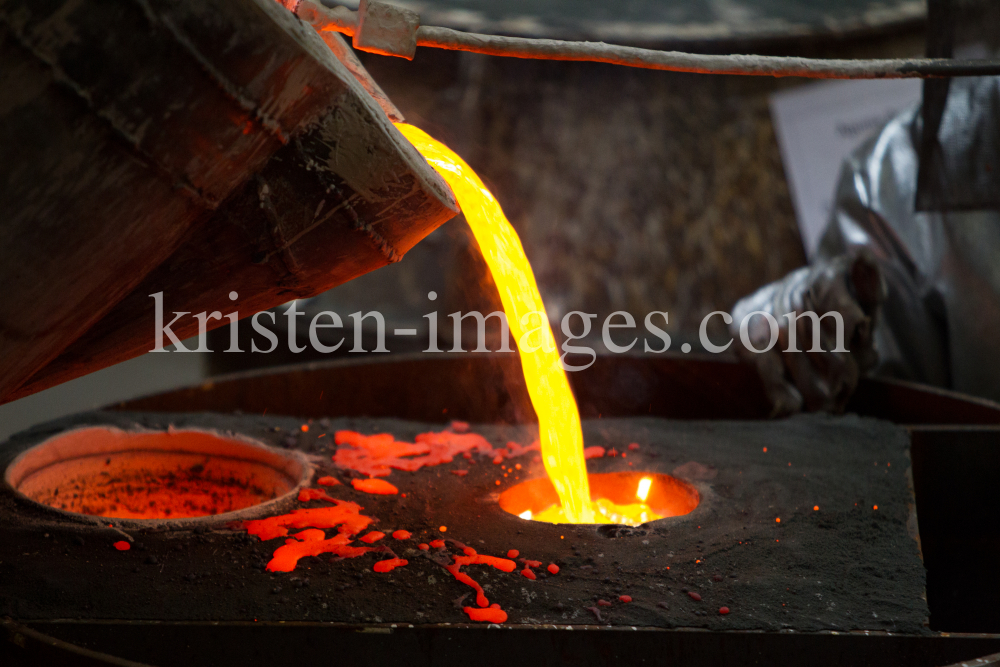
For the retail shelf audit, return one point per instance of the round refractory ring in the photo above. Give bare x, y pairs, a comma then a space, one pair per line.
173, 475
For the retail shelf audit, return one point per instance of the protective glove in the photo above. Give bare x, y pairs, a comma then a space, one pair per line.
811, 379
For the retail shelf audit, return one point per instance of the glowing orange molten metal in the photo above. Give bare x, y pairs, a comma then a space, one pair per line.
558, 418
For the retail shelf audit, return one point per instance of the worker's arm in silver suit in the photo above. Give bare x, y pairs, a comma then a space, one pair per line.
872, 268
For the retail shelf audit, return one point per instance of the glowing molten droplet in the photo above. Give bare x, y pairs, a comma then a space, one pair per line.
513, 553
375, 486
401, 535
305, 495
372, 537
390, 565
815, 508
443, 529
493, 614
312, 543
625, 598
378, 455
122, 545
558, 416
327, 481
553, 568
643, 491
502, 564
345, 514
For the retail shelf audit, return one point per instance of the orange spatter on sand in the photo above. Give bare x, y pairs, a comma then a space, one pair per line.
526, 572
499, 563
625, 598
305, 495
378, 487
326, 480
493, 614
423, 547
594, 452
122, 545
553, 568
390, 565
377, 455
456, 571
437, 544
468, 551
513, 449
372, 537
345, 514
513, 553
401, 535
313, 543
460, 472
533, 563
479, 559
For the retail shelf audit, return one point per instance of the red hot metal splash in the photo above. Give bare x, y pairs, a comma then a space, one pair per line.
377, 455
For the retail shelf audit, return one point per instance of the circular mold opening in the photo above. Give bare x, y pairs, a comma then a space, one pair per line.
663, 495
107, 472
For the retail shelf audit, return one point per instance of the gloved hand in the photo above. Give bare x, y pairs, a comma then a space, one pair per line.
851, 285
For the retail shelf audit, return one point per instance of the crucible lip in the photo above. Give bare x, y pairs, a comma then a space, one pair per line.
287, 471
671, 497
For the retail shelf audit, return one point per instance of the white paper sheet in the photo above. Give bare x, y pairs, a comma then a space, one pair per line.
818, 125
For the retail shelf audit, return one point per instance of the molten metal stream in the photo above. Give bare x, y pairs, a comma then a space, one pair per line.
558, 418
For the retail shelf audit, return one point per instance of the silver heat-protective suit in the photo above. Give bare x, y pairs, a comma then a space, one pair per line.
919, 292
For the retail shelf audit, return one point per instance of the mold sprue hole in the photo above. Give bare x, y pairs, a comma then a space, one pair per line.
665, 496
